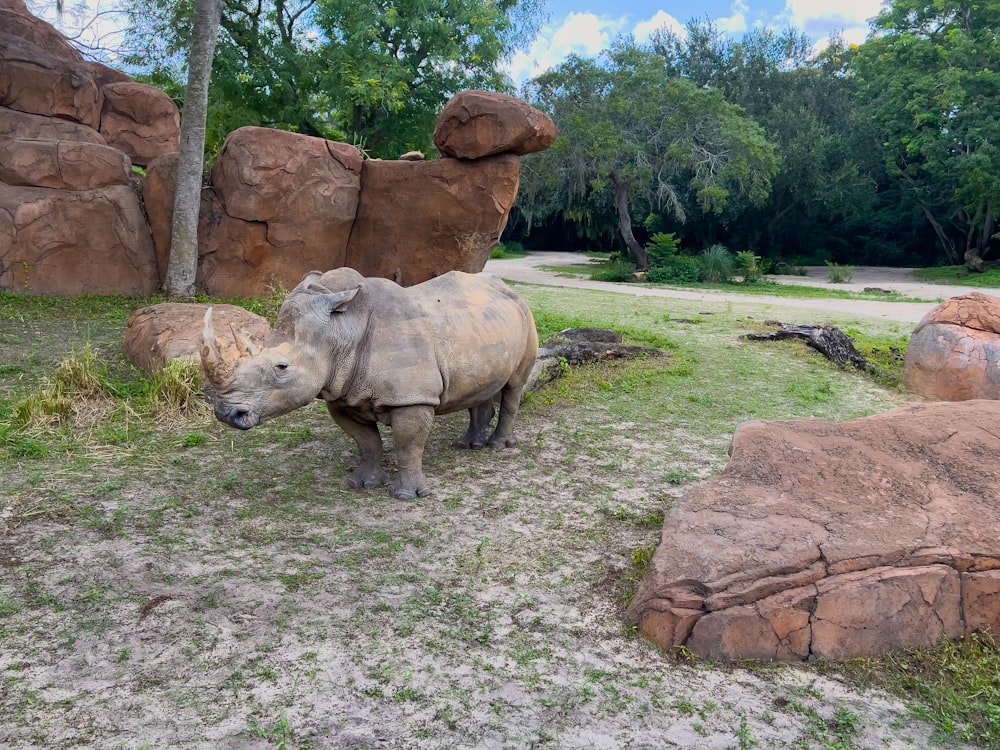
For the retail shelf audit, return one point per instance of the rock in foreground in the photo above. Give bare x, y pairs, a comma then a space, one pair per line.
825, 540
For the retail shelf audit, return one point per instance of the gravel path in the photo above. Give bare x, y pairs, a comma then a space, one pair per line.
901, 280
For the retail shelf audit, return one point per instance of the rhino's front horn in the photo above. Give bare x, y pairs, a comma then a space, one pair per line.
212, 361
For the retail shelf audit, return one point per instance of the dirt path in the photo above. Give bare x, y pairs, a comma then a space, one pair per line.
901, 280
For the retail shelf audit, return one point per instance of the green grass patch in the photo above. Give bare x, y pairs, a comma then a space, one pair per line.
960, 276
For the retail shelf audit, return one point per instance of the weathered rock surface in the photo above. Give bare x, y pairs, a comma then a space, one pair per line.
158, 334
475, 124
279, 204
419, 219
67, 242
954, 352
140, 120
832, 540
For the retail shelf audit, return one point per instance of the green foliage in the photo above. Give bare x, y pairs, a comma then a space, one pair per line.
508, 249
680, 269
750, 265
839, 274
717, 264
614, 270
662, 247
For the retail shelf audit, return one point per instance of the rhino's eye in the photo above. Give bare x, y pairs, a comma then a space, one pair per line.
282, 366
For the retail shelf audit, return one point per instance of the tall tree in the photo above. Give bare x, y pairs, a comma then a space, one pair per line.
651, 141
930, 77
183, 263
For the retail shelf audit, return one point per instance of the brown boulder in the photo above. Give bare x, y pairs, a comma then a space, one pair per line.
140, 120
420, 219
158, 190
34, 81
832, 540
63, 242
65, 165
954, 353
475, 124
236, 259
16, 20
303, 191
160, 333
14, 124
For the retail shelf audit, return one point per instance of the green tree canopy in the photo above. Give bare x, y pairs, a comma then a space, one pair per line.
373, 72
641, 140
930, 79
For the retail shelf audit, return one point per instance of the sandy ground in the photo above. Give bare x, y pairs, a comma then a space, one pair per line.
901, 280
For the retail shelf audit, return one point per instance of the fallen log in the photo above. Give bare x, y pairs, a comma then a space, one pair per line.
829, 340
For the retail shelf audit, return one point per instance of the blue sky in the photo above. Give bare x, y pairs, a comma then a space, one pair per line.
585, 27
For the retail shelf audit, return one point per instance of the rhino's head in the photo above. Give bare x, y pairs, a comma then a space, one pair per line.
286, 372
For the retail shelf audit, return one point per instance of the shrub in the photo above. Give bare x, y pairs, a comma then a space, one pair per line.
750, 265
680, 269
717, 263
839, 274
509, 249
661, 248
615, 270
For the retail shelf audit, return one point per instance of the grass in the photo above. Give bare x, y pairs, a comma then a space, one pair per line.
186, 559
758, 289
960, 275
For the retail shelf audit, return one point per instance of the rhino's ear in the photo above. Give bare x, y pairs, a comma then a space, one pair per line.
337, 302
310, 279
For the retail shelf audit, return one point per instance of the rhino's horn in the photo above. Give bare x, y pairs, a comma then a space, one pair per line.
212, 362
244, 343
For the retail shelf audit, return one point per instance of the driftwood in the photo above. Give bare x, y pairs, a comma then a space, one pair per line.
829, 340
577, 346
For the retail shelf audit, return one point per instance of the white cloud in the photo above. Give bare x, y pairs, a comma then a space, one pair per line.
820, 17
736, 23
584, 34
644, 29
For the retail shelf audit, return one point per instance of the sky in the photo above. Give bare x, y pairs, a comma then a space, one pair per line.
585, 27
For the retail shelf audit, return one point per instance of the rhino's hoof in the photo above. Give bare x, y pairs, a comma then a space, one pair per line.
410, 493
366, 482
498, 443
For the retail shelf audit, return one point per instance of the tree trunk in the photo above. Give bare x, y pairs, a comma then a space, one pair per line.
625, 224
183, 264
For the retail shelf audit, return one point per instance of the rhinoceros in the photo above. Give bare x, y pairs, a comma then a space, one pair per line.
377, 352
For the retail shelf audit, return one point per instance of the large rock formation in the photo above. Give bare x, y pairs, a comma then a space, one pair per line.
825, 540
954, 353
279, 204
70, 221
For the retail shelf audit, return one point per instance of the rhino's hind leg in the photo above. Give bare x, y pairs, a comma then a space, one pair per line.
411, 426
479, 423
510, 403
370, 473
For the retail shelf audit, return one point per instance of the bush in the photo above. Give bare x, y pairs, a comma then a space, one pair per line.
661, 248
717, 264
681, 269
750, 265
509, 249
839, 274
614, 270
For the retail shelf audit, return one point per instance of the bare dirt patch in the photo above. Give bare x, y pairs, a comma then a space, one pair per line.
197, 587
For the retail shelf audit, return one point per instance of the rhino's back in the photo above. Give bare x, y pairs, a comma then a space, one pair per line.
452, 341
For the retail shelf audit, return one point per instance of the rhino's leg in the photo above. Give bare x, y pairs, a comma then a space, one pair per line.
370, 473
411, 426
479, 422
510, 403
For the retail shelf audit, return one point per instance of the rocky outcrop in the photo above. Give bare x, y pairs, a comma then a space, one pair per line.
825, 540
954, 353
279, 204
419, 219
159, 334
475, 124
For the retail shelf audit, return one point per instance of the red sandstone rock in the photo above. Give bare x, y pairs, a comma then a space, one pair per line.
140, 120
160, 333
475, 124
63, 242
302, 190
32, 80
830, 540
417, 220
954, 353
158, 191
14, 124
16, 20
63, 165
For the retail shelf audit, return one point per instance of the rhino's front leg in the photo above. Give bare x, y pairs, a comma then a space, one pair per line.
479, 422
370, 473
411, 426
